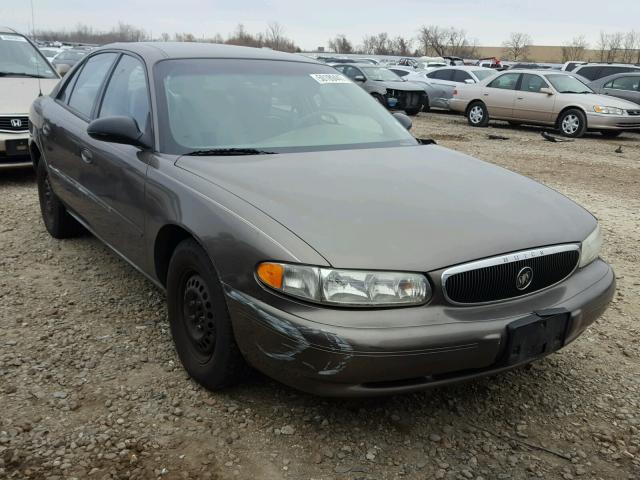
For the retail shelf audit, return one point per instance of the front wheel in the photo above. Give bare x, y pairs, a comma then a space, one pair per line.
610, 133
199, 320
478, 115
572, 123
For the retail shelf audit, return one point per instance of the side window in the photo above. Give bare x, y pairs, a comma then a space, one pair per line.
461, 76
89, 81
590, 72
606, 71
400, 73
340, 68
126, 94
506, 82
349, 71
532, 83
441, 74
624, 83
63, 95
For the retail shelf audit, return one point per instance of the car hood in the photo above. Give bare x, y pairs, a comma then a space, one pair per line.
416, 208
406, 86
609, 101
17, 93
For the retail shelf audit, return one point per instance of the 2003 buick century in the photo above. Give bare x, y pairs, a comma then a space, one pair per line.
297, 226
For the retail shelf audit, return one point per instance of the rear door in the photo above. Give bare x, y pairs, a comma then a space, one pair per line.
64, 133
530, 104
624, 87
116, 173
500, 94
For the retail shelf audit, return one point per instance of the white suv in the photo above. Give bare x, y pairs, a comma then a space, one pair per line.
24, 74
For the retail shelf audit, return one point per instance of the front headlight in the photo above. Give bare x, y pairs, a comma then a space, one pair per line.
590, 248
608, 110
355, 288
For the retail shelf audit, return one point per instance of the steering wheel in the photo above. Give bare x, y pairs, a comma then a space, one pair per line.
324, 117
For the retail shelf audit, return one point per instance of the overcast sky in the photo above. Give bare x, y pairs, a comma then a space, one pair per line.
311, 24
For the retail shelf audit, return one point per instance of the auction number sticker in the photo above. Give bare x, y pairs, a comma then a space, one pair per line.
330, 78
13, 38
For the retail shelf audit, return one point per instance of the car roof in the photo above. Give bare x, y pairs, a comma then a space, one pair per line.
155, 51
540, 71
360, 64
599, 64
9, 30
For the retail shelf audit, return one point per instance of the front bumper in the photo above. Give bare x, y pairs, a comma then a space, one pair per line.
332, 358
13, 160
597, 121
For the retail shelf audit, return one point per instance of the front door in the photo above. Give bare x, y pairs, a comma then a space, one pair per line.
119, 171
500, 94
531, 104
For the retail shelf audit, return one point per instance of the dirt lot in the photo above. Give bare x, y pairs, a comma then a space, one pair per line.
91, 387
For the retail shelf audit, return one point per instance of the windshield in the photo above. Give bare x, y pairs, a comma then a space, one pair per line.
567, 84
71, 55
19, 58
274, 106
482, 74
380, 74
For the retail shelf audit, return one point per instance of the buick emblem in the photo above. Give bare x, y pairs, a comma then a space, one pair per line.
524, 278
16, 122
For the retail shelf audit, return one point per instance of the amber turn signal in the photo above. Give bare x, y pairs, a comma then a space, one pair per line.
271, 274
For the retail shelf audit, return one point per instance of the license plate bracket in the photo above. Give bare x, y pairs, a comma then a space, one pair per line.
16, 148
536, 335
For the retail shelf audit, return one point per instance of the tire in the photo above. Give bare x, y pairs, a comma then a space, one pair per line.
610, 133
572, 123
199, 319
55, 217
426, 106
380, 99
412, 111
478, 115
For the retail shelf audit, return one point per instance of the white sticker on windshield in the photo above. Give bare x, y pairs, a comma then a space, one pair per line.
330, 78
13, 38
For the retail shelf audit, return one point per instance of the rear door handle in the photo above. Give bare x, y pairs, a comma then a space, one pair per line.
520, 98
86, 155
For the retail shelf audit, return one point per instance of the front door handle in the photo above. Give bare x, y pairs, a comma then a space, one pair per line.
520, 98
86, 155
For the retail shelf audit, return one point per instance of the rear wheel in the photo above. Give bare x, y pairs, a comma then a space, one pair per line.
572, 123
199, 320
426, 106
478, 115
412, 111
610, 133
56, 219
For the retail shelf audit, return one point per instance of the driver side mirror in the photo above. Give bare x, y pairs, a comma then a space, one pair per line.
469, 80
359, 78
546, 90
117, 129
403, 119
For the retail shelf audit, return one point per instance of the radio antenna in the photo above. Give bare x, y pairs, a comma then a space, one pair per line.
33, 34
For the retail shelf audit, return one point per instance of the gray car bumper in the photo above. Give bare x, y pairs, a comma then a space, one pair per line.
460, 343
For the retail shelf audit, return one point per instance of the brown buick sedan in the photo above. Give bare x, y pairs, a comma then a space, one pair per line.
296, 226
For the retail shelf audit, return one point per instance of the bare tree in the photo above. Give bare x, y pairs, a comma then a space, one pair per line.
401, 46
439, 41
340, 44
574, 50
517, 46
85, 34
609, 46
629, 44
165, 37
274, 37
379, 44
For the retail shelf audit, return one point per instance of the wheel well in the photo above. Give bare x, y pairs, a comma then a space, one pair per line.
168, 238
35, 154
572, 107
470, 104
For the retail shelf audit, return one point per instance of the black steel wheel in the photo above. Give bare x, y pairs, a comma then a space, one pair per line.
55, 217
199, 319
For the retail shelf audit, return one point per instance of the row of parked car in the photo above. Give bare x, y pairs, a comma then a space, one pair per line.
596, 97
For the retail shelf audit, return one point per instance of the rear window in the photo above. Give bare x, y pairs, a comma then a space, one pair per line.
591, 73
624, 83
441, 74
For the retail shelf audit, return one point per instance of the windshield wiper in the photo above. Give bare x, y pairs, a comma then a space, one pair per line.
229, 151
21, 74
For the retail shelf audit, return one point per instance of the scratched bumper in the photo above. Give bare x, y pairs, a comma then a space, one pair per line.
451, 344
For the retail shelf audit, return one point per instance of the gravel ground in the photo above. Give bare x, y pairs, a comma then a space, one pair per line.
90, 386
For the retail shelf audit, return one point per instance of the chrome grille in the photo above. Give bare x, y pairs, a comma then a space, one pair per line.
15, 123
496, 278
